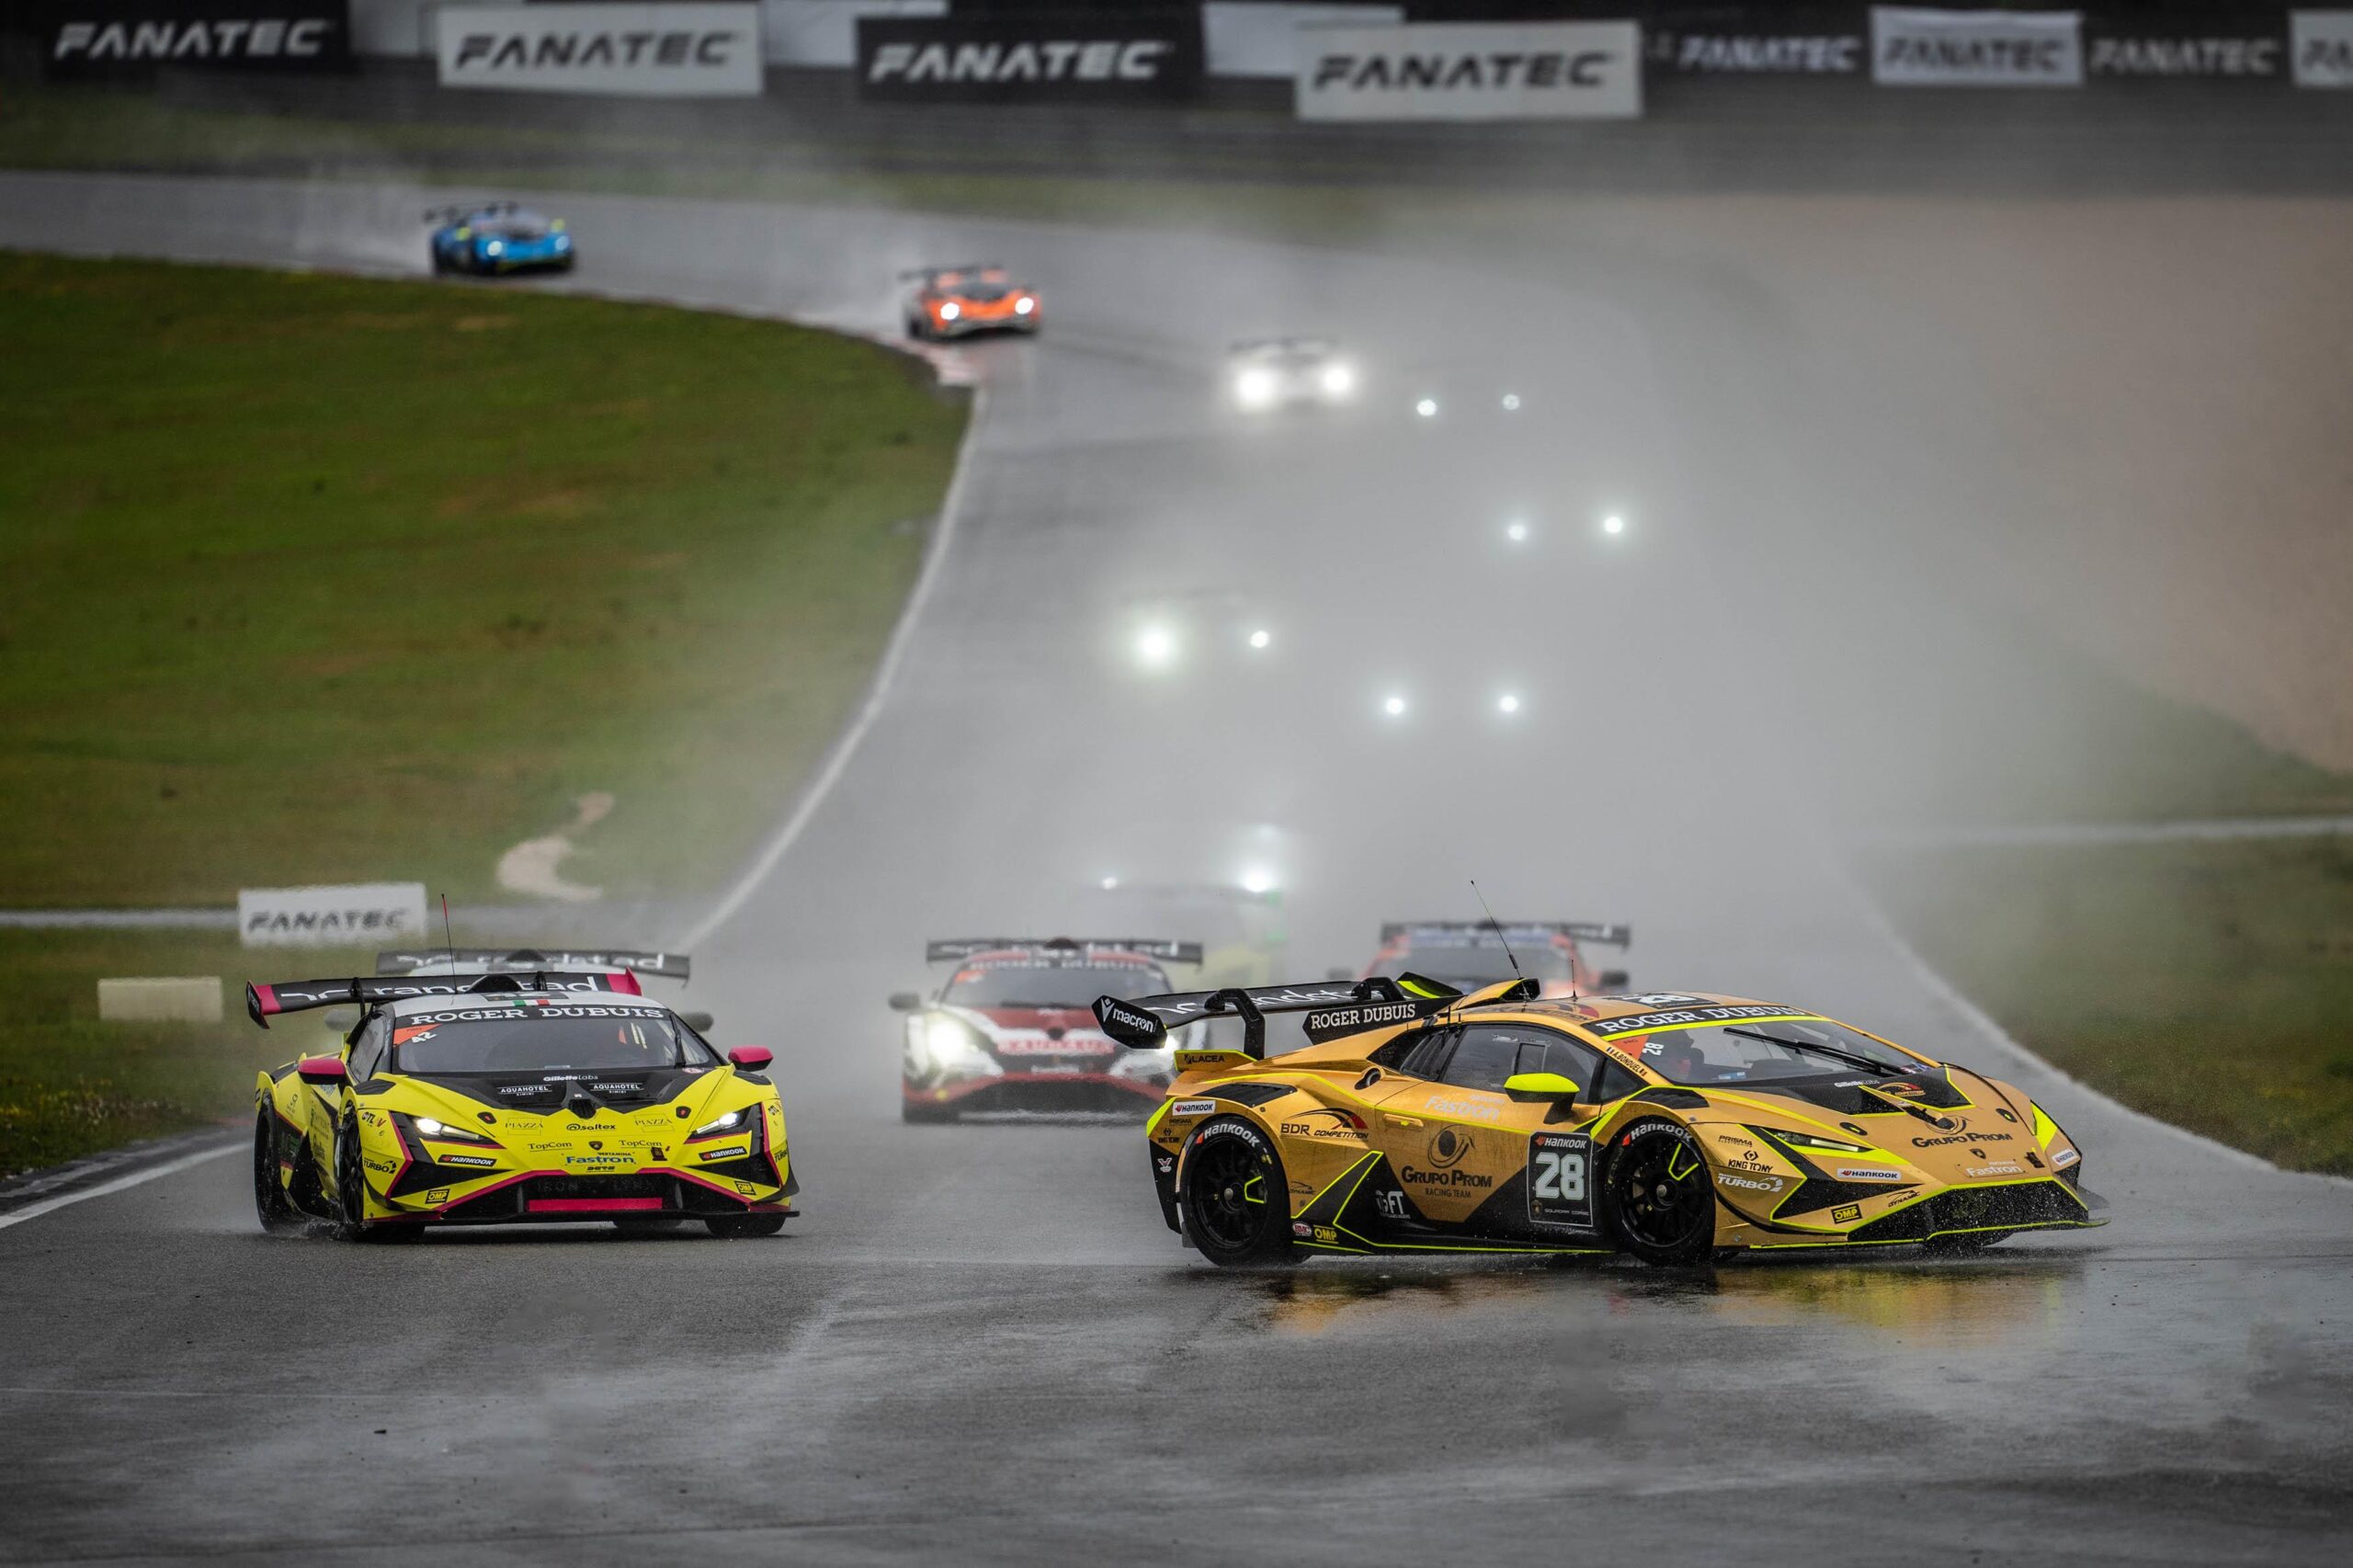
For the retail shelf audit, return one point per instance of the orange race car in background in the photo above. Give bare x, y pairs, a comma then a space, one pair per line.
956, 301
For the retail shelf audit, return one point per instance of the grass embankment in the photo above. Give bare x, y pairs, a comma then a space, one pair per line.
316, 579
2208, 984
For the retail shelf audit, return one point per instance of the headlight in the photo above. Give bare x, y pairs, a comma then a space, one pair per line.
1809, 1141
951, 310
728, 1123
443, 1132
1023, 305
1255, 388
1339, 380
493, 247
942, 1044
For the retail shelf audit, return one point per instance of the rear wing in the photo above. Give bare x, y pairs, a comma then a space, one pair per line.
1334, 1008
460, 214
964, 269
264, 1002
957, 947
1520, 930
536, 960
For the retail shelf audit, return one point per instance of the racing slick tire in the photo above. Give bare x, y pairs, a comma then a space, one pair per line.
932, 1114
1233, 1198
276, 1211
440, 263
743, 1227
351, 1204
1660, 1205
917, 329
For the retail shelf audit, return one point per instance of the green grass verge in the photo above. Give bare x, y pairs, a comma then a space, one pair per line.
2207, 984
70, 1085
319, 579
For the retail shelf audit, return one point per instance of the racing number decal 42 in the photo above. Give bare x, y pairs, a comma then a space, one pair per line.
1560, 1191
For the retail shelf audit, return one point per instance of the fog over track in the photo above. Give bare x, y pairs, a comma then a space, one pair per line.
980, 1344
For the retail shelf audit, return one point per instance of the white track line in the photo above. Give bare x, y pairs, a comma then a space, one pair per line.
120, 1183
838, 761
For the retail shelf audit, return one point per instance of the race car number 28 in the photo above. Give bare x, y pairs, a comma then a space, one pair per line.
1558, 1192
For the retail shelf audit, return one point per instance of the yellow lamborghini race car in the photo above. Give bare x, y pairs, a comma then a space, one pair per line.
503, 1098
1673, 1126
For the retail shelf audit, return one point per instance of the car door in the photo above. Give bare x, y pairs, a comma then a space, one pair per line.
1449, 1131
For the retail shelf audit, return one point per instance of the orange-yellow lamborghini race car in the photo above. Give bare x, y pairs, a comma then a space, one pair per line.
1669, 1126
956, 301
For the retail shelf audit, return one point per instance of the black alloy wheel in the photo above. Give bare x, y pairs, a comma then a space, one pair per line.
1660, 1197
1234, 1198
743, 1227
276, 1211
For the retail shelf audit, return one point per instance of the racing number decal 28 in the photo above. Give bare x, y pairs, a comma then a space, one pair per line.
1560, 1189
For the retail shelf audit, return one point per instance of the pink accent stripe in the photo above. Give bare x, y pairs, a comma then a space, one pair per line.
267, 995
589, 1205
625, 984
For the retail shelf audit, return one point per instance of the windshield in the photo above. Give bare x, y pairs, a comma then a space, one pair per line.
1469, 967
1764, 1053
978, 292
528, 1038
1050, 985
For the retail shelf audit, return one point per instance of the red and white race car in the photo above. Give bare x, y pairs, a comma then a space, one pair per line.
1014, 1028
1468, 954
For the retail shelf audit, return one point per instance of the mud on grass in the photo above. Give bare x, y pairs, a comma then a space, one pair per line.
2207, 984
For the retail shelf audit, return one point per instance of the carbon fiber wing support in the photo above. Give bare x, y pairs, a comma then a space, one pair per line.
1334, 1008
536, 961
265, 1002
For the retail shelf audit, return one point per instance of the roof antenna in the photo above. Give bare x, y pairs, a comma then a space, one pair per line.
449, 943
1498, 926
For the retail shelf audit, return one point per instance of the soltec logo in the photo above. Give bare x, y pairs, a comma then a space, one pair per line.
1049, 60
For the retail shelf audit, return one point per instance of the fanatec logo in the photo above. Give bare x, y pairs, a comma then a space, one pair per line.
270, 38
1022, 61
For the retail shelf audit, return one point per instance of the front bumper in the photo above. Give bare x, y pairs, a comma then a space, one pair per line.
1049, 1091
541, 1198
967, 325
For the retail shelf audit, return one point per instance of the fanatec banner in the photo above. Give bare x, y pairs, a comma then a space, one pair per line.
658, 52
1087, 57
97, 38
1750, 41
2322, 42
1471, 71
1976, 49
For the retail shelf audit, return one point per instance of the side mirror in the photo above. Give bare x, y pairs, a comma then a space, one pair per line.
1615, 979
1540, 1086
699, 1022
751, 1058
906, 1002
321, 1071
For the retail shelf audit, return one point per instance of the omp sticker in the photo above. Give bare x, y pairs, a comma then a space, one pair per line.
1845, 1212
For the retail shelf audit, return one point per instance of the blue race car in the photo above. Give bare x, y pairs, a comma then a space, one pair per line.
500, 236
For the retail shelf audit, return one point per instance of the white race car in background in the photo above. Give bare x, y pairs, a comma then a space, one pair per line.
1270, 373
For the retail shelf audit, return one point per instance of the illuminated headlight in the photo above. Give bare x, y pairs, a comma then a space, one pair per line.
563, 242
951, 310
1338, 380
1255, 388
443, 1132
493, 247
1023, 305
942, 1044
728, 1123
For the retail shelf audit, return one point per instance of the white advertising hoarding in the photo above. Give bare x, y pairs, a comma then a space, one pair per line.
1470, 71
659, 51
2322, 45
382, 913
1976, 49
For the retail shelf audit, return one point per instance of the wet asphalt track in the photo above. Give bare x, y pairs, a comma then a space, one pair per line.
980, 1345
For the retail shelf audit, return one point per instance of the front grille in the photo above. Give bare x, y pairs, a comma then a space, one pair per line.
577, 1197
1978, 1209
